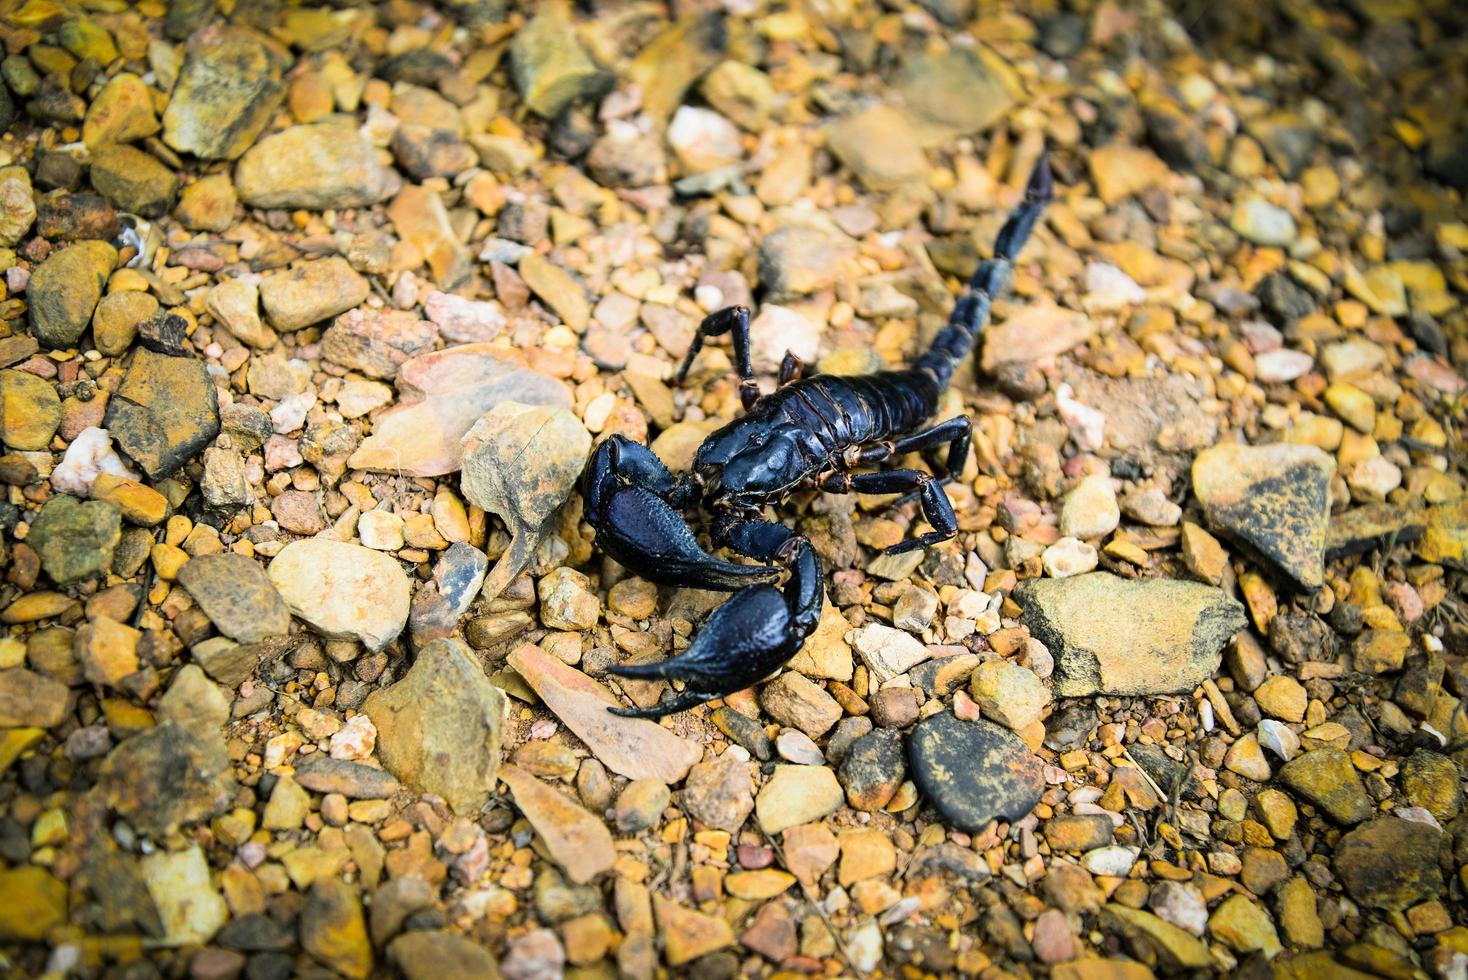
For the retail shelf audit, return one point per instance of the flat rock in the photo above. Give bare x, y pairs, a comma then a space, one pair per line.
1391, 863
1273, 500
1326, 778
558, 289
75, 539
164, 413
315, 291
343, 590
438, 729
237, 596
30, 411
974, 771
225, 95
31, 700
317, 166
549, 66
576, 840
441, 396
320, 773
64, 290
962, 91
165, 777
636, 748
796, 795
1036, 333
687, 934
888, 652
189, 905
436, 955
32, 903
1111, 635
334, 930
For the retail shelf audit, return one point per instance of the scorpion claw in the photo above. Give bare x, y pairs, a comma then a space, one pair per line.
640, 530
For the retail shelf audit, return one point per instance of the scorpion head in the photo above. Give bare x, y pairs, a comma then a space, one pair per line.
731, 467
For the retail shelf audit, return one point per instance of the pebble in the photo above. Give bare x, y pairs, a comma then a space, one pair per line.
235, 303
75, 539
318, 166
1244, 926
796, 795
1108, 289
344, 591
434, 955
1273, 500
688, 935
575, 839
1067, 557
438, 729
227, 90
1009, 694
237, 596
334, 930
316, 291
1326, 778
1115, 636
189, 906
888, 652
1091, 509
1390, 863
549, 66
974, 771
30, 411
798, 702
566, 601
1263, 223
64, 290
164, 413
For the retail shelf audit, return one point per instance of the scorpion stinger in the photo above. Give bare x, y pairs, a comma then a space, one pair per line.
811, 432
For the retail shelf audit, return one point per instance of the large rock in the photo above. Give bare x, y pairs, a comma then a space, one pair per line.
64, 290
343, 590
1391, 863
438, 729
166, 411
1272, 500
237, 596
226, 93
441, 396
974, 771
633, 747
166, 777
317, 166
1111, 635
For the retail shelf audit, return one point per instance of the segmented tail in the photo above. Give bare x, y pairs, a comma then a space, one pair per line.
971, 313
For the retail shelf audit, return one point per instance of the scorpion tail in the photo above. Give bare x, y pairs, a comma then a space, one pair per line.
971, 313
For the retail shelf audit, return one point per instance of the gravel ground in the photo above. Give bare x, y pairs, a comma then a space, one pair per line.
311, 316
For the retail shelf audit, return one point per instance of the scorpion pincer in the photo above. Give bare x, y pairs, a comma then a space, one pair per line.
811, 432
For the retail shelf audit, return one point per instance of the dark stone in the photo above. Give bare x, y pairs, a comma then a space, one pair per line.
1284, 299
237, 596
873, 769
744, 731
1360, 529
1071, 726
184, 17
1391, 863
55, 169
163, 333
166, 410
7, 108
65, 217
421, 66
974, 771
75, 539
255, 933
1176, 135
165, 777
354, 780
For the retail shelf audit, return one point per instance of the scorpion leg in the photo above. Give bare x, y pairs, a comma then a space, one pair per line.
937, 510
732, 320
630, 501
753, 634
956, 433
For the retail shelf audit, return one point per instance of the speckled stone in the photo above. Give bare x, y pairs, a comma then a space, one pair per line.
974, 771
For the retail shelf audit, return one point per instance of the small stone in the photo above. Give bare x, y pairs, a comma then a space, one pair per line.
686, 934
228, 89
318, 166
796, 795
1431, 781
1326, 778
558, 289
1090, 510
321, 773
1108, 288
1119, 171
345, 591
30, 411
575, 839
1204, 555
974, 772
1380, 651
1079, 832
1180, 904
31, 700
237, 596
75, 540
640, 805
189, 907
107, 650
1263, 223
380, 530
1009, 694
1175, 949
435, 955
17, 203
1299, 916
235, 303
1068, 557
1391, 863
703, 140
32, 903
1246, 758
872, 769
794, 700
164, 413
566, 601
64, 290
165, 777
207, 204
1116, 636
549, 66
288, 807
719, 793
133, 180
333, 929
312, 292
888, 652
1282, 697
1244, 926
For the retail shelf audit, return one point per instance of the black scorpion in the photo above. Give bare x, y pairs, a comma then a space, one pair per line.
810, 432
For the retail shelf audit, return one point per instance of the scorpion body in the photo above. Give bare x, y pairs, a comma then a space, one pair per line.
809, 432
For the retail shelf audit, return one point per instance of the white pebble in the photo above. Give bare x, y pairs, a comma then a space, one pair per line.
89, 455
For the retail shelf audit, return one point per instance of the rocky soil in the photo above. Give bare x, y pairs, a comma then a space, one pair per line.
311, 315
